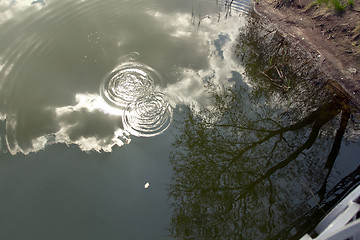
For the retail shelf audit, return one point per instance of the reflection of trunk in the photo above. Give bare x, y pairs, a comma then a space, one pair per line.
345, 116
319, 117
200, 181
309, 142
337, 142
319, 122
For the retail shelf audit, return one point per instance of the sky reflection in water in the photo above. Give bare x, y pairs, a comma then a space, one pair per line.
47, 73
244, 155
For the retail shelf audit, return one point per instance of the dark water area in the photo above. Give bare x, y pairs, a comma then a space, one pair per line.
162, 120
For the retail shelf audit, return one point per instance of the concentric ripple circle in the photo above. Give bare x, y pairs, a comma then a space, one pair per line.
148, 116
127, 82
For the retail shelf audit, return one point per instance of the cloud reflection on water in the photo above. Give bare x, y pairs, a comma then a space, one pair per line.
9, 8
219, 37
92, 124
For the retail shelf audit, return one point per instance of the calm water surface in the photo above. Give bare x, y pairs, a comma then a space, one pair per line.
140, 120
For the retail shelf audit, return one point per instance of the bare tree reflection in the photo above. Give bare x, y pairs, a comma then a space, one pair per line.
247, 168
233, 175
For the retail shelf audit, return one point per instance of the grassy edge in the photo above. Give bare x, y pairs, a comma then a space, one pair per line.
337, 5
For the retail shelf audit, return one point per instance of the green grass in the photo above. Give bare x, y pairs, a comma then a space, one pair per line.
350, 3
339, 7
336, 4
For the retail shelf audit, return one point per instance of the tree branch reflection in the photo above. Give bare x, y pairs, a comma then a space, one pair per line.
229, 173
248, 167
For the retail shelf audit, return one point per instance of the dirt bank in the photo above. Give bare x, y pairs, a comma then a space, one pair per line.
331, 38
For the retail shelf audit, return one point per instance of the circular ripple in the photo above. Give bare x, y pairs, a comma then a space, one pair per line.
148, 116
127, 83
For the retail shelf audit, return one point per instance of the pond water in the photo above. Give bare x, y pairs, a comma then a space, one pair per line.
156, 120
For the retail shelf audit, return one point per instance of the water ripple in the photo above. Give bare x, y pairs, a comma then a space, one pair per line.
130, 87
128, 82
148, 116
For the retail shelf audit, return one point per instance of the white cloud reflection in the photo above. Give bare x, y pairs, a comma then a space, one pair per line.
10, 8
177, 25
93, 125
219, 38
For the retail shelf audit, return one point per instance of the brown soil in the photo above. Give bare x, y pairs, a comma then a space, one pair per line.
330, 37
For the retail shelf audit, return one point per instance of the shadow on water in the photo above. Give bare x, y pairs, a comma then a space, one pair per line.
260, 163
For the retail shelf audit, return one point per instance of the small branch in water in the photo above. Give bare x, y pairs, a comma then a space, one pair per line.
313, 195
281, 75
283, 78
267, 76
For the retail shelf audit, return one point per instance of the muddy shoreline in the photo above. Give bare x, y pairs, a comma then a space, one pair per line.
335, 53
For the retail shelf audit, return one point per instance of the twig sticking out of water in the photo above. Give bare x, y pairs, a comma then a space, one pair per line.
280, 83
312, 194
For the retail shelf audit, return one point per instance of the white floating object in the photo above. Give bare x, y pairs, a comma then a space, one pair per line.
147, 185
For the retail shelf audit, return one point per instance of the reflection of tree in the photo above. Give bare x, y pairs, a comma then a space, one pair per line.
247, 168
232, 174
